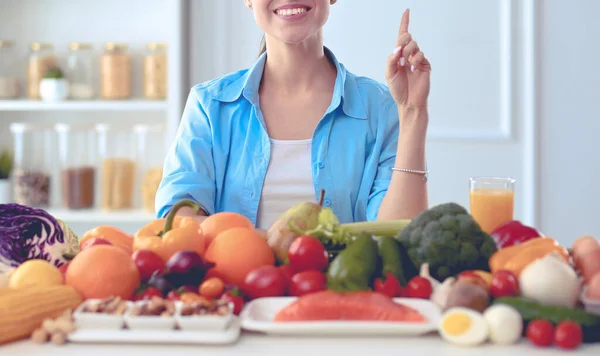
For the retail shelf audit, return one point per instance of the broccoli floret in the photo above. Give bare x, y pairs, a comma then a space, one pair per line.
448, 239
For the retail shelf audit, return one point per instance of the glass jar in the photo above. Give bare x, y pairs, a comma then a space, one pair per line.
115, 72
31, 173
150, 141
155, 71
80, 71
9, 84
76, 151
41, 58
116, 149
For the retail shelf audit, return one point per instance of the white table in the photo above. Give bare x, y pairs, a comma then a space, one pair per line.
261, 345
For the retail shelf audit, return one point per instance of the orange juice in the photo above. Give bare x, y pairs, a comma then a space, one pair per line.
492, 207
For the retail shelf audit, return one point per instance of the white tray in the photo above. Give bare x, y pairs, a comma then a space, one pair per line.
227, 336
258, 316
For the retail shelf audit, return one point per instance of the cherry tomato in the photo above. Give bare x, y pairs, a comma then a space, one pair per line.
94, 241
307, 282
419, 287
212, 288
288, 271
307, 253
568, 335
146, 293
174, 296
539, 332
504, 284
265, 281
234, 296
389, 285
148, 263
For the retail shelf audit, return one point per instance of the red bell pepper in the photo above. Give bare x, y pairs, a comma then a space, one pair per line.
513, 233
390, 286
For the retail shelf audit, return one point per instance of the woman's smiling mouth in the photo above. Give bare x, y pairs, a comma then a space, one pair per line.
292, 11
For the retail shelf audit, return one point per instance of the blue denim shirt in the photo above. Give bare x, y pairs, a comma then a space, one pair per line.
221, 151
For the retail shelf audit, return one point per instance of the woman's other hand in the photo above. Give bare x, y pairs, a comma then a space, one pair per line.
408, 70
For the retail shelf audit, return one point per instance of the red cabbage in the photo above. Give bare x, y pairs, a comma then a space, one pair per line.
28, 233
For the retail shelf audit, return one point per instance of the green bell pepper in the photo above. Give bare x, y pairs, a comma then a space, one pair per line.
391, 258
352, 269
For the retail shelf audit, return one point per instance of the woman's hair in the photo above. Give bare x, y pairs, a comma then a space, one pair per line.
263, 46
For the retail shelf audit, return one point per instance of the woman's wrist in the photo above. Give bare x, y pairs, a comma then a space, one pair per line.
413, 121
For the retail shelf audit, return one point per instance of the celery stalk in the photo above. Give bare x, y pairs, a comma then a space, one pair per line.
377, 228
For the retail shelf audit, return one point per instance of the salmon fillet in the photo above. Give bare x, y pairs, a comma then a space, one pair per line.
357, 306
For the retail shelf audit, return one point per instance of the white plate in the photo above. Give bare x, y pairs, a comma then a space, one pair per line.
148, 322
258, 316
85, 320
174, 337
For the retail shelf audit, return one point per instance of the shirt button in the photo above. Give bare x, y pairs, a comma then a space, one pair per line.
327, 202
321, 165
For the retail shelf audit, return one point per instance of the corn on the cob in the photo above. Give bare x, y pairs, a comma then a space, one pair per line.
24, 310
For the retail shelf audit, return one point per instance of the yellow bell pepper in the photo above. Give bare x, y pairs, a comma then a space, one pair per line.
172, 234
515, 258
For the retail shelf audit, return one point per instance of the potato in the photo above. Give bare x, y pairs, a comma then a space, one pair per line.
467, 294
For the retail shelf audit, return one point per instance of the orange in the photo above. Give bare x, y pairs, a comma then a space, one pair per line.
103, 271
219, 222
237, 251
116, 237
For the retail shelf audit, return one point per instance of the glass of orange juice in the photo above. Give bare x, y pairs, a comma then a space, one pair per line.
492, 201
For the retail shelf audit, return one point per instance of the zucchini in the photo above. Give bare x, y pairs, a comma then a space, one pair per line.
530, 310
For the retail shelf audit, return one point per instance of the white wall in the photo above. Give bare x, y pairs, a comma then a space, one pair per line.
513, 90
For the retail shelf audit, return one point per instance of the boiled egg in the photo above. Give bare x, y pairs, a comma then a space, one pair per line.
463, 327
505, 324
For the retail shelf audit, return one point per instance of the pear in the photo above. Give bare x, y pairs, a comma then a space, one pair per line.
301, 217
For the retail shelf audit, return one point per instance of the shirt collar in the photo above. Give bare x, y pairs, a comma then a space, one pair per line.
345, 91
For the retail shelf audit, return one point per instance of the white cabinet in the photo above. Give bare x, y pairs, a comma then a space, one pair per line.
134, 22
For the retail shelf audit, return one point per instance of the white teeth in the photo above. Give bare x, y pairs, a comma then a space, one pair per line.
290, 12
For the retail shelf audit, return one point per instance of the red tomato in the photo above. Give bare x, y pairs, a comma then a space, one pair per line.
389, 285
419, 287
147, 293
233, 296
504, 284
539, 332
265, 281
148, 263
287, 271
307, 282
94, 241
307, 253
568, 335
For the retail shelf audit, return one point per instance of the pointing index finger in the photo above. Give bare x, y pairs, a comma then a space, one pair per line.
404, 22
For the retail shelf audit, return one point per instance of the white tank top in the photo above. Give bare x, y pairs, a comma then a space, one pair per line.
288, 180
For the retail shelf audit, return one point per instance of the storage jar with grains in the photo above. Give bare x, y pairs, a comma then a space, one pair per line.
115, 72
9, 84
80, 71
77, 151
32, 170
155, 71
116, 148
151, 153
41, 58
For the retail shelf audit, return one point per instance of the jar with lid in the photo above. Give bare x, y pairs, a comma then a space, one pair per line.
77, 151
41, 58
32, 166
155, 71
151, 151
9, 84
115, 72
116, 149
80, 71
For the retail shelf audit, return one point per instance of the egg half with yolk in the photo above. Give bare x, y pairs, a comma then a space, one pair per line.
463, 327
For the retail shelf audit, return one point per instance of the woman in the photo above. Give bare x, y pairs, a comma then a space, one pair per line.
261, 140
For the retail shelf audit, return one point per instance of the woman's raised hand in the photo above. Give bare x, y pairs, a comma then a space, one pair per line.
408, 70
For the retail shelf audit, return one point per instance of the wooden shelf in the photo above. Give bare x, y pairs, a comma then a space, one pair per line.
101, 217
81, 105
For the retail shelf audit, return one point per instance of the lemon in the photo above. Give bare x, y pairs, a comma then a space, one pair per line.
35, 273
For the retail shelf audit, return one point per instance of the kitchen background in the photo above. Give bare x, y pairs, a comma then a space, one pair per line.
514, 89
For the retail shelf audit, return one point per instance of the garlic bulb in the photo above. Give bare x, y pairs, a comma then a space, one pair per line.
550, 281
440, 291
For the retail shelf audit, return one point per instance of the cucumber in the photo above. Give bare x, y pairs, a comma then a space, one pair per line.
530, 310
